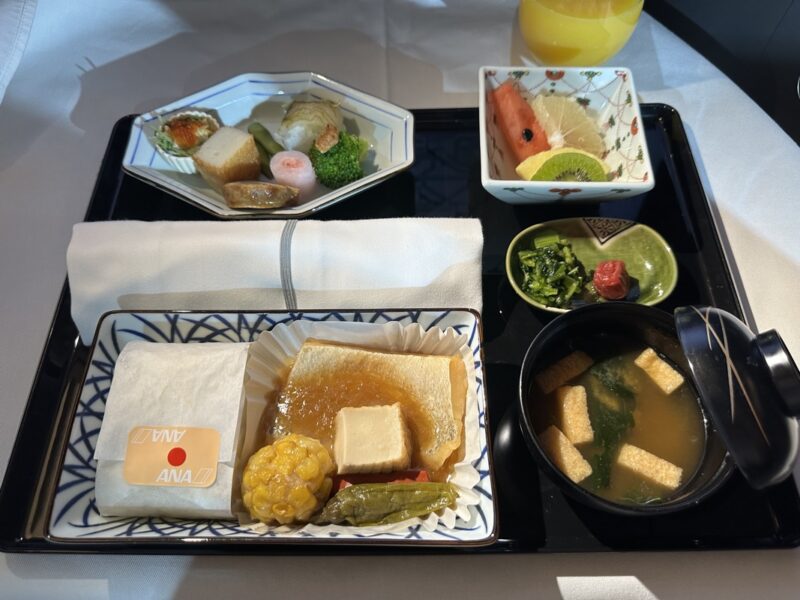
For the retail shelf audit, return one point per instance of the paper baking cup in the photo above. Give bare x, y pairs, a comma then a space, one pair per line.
275, 350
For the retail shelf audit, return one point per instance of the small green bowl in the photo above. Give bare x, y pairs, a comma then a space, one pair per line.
647, 255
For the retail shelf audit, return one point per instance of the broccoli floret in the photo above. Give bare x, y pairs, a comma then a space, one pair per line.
341, 164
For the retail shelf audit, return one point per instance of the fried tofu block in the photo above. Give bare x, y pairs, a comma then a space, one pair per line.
561, 372
574, 414
565, 456
650, 466
663, 375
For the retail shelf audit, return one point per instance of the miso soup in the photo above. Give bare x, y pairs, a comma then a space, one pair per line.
627, 407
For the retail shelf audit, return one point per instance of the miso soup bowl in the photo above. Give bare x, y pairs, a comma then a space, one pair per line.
651, 327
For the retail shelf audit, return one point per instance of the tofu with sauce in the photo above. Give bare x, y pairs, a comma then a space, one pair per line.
371, 439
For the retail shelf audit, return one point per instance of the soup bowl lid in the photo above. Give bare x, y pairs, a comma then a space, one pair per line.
750, 385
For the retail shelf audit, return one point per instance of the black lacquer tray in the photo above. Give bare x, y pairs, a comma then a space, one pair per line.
533, 514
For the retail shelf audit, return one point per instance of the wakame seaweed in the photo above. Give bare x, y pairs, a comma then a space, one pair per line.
610, 424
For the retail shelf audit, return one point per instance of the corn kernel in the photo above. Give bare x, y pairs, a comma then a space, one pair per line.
287, 481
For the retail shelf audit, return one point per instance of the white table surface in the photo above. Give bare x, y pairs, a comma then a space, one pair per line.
90, 62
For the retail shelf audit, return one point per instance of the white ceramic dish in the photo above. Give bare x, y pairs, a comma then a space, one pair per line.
264, 97
74, 516
608, 94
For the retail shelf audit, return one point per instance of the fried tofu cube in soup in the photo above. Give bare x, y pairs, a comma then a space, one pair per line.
650, 466
562, 371
662, 374
574, 414
564, 455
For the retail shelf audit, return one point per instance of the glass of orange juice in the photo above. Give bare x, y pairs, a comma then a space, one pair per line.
577, 32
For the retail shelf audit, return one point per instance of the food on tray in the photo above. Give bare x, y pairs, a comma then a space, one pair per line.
294, 169
385, 503
611, 280
649, 466
645, 439
430, 389
184, 133
258, 194
564, 455
659, 370
563, 164
515, 118
228, 155
266, 145
194, 142
172, 426
551, 137
567, 124
371, 439
573, 414
337, 156
552, 274
288, 481
306, 120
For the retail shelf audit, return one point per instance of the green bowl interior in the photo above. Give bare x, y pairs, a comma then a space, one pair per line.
647, 255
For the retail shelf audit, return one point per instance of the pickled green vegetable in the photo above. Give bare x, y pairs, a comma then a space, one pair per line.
552, 274
265, 144
384, 503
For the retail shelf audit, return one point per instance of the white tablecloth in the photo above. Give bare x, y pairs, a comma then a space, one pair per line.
88, 63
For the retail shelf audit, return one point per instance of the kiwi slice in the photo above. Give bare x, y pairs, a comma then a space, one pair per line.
563, 164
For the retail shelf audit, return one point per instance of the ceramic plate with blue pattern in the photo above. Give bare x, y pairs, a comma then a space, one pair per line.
75, 518
264, 97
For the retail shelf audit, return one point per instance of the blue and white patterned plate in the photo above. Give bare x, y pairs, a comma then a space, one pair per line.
74, 516
263, 97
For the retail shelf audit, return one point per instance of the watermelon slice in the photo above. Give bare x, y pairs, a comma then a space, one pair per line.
522, 132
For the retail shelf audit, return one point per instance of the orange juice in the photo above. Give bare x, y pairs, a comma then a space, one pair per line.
577, 32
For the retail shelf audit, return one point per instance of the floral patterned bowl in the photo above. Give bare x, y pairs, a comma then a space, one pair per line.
608, 95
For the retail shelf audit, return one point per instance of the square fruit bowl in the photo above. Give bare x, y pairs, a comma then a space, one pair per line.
592, 109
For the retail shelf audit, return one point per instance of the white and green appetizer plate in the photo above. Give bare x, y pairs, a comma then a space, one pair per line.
264, 97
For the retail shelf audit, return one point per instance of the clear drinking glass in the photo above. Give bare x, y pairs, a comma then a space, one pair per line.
577, 32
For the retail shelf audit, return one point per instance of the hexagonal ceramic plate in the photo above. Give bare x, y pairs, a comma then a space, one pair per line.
264, 97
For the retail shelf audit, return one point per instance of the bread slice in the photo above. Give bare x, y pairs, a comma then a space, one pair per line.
228, 155
434, 390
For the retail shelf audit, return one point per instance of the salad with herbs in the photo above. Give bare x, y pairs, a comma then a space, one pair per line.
552, 274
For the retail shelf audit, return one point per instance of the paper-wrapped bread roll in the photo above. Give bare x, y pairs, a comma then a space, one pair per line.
171, 431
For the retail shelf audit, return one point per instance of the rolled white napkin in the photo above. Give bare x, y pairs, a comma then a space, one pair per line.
237, 265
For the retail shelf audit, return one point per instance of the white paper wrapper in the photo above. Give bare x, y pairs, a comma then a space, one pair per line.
172, 385
273, 352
